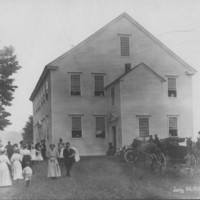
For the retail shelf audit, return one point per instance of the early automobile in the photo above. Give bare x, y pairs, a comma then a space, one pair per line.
168, 154
178, 156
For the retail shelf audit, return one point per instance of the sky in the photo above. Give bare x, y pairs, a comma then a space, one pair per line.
41, 31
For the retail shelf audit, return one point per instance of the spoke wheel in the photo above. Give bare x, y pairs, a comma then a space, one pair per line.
128, 156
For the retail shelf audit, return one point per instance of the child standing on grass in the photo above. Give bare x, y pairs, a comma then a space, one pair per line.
27, 172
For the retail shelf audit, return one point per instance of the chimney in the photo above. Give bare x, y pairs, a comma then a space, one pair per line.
127, 67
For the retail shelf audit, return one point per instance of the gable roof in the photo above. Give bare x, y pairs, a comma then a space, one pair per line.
139, 65
140, 27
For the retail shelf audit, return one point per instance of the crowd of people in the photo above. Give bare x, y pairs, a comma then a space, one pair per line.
17, 161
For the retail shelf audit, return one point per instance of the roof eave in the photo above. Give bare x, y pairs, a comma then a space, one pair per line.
44, 74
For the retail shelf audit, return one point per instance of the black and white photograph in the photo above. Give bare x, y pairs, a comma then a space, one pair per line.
99, 99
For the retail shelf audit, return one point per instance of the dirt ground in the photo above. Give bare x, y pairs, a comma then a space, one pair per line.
105, 178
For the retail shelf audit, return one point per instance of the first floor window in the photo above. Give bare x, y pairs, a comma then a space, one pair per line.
76, 127
100, 127
143, 126
173, 126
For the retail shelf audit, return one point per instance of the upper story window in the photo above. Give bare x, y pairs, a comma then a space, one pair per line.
125, 45
173, 126
75, 81
100, 127
99, 85
76, 127
47, 90
172, 91
143, 127
113, 96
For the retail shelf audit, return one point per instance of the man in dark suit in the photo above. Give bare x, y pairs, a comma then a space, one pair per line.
43, 150
69, 158
9, 149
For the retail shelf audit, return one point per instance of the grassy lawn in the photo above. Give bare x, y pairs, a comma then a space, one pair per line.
103, 178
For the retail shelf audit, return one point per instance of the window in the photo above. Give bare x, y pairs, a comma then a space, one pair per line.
173, 126
100, 127
113, 96
172, 87
144, 126
124, 44
98, 85
46, 90
75, 85
76, 127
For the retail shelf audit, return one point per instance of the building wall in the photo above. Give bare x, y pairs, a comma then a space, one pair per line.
144, 94
101, 54
64, 105
181, 105
43, 115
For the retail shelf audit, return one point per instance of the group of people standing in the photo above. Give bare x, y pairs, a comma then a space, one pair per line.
65, 154
16, 161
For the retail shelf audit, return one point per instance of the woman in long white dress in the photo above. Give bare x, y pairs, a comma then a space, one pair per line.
61, 153
5, 178
16, 160
33, 154
53, 166
39, 154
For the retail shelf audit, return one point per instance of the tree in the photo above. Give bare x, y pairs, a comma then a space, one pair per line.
28, 131
8, 66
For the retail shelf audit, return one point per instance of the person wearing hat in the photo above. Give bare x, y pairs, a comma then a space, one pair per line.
16, 160
69, 158
5, 178
53, 166
9, 150
151, 139
26, 156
